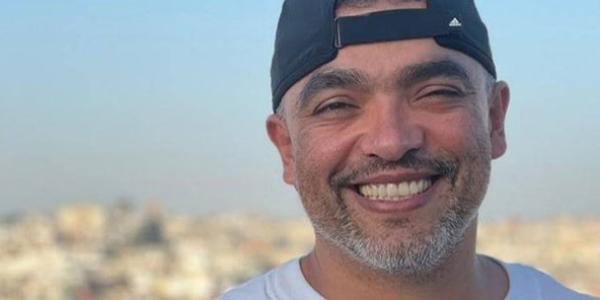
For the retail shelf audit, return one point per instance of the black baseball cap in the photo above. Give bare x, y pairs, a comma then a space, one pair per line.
309, 35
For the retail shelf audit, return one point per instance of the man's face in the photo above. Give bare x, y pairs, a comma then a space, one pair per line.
389, 146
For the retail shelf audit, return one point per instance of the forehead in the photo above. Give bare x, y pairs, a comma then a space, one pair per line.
381, 63
360, 7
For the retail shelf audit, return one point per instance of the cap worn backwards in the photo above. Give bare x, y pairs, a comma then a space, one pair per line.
309, 35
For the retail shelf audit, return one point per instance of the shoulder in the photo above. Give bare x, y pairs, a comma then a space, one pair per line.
529, 283
285, 282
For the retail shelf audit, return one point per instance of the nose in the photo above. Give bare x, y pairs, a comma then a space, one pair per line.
391, 133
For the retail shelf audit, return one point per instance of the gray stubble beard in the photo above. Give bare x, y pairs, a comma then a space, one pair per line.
419, 259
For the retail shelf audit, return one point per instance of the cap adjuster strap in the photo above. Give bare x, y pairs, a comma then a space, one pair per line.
379, 26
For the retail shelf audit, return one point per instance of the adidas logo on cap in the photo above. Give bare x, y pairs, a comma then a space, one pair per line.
455, 23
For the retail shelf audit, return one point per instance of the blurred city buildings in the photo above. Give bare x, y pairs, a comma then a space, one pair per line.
86, 251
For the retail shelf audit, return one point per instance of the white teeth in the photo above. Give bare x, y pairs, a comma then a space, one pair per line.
364, 190
392, 189
394, 192
382, 191
414, 187
403, 189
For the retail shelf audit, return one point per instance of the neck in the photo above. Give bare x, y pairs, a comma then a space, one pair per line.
464, 275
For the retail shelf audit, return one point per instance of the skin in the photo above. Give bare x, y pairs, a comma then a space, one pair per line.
365, 129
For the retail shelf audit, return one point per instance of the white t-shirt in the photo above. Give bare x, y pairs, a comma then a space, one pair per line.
288, 283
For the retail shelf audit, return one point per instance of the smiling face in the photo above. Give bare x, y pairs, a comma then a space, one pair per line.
389, 146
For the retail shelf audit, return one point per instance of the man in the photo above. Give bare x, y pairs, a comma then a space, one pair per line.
388, 114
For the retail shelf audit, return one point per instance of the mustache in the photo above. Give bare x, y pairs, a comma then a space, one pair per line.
412, 160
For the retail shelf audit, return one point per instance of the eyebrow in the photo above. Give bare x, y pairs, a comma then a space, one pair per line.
404, 78
332, 79
414, 74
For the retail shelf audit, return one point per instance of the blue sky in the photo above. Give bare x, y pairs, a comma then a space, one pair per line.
166, 100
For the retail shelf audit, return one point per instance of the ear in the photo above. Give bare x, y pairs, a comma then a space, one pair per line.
498, 108
280, 137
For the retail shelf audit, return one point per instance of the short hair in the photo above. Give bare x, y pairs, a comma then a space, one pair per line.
366, 3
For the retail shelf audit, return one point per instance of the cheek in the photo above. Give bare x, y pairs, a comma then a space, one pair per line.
460, 133
318, 156
321, 152
463, 136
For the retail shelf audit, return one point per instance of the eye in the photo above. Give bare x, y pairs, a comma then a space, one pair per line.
445, 93
333, 107
441, 92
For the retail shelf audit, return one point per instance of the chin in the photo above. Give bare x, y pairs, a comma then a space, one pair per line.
400, 246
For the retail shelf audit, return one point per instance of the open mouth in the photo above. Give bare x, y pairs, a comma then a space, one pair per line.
395, 192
